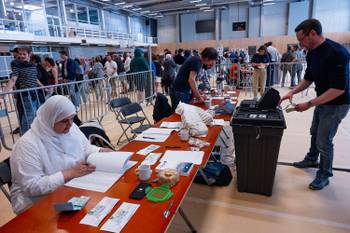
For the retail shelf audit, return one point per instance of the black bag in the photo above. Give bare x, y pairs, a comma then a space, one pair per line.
217, 173
99, 136
270, 100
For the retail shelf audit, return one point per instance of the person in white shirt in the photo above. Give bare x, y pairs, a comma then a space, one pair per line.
111, 69
127, 61
51, 153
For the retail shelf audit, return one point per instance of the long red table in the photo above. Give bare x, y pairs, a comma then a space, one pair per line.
42, 217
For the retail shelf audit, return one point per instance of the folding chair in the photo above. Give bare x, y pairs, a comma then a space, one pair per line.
131, 115
5, 177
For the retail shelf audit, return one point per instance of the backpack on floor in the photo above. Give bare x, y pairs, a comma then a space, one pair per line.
217, 173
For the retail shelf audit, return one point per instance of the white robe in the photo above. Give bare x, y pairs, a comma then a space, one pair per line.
40, 155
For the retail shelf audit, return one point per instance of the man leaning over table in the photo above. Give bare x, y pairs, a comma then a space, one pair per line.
184, 86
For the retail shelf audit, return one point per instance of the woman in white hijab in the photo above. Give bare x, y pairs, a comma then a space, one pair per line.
51, 153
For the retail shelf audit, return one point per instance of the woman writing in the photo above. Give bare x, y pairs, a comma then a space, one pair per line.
50, 154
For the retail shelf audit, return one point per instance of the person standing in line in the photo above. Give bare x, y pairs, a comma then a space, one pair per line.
52, 75
111, 69
169, 73
69, 76
297, 68
327, 67
259, 62
139, 64
24, 76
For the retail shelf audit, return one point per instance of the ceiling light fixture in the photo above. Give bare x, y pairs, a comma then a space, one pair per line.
195, 1
119, 3
269, 3
205, 8
201, 4
136, 9
152, 14
145, 12
128, 6
159, 16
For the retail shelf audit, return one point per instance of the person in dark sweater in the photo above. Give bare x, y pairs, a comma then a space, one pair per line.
260, 61
185, 87
327, 67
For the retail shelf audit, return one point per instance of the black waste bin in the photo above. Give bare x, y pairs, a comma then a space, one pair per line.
257, 138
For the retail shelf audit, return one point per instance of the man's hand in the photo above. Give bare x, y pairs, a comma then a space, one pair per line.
288, 96
103, 149
80, 169
302, 107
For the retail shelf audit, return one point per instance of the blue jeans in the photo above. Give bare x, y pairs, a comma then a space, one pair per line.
177, 96
74, 95
324, 126
26, 107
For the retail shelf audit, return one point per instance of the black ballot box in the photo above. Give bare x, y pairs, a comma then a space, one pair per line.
257, 139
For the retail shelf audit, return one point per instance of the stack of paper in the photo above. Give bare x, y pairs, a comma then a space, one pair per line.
176, 125
154, 135
171, 158
110, 166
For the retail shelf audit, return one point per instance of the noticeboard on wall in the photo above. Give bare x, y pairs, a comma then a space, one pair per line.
238, 26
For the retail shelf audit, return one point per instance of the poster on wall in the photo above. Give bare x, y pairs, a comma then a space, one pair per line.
238, 26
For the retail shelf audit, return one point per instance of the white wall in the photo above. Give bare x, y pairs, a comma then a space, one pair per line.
298, 12
333, 14
234, 13
188, 26
167, 29
275, 19
86, 51
138, 25
254, 22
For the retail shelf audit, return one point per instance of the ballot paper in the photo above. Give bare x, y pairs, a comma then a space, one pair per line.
220, 122
176, 125
148, 149
171, 159
154, 135
99, 212
110, 166
151, 159
120, 218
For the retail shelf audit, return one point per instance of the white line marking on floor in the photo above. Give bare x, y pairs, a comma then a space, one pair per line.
270, 213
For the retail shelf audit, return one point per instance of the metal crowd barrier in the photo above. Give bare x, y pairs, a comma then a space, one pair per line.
278, 74
91, 98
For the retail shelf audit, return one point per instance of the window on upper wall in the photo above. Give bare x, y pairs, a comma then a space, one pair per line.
93, 15
51, 7
82, 14
70, 12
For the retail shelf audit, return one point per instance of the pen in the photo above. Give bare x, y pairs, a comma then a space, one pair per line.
172, 146
148, 137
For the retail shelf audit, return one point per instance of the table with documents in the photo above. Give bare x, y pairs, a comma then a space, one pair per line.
145, 215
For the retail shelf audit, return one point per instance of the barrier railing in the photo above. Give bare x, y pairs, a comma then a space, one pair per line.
277, 74
91, 98
69, 31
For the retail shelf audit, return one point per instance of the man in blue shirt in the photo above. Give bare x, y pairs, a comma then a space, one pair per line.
259, 62
185, 85
328, 67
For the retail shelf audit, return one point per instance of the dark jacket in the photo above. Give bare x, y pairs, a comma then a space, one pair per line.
169, 69
138, 63
161, 108
71, 70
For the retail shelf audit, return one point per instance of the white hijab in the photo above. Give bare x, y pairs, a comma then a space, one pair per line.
168, 57
62, 149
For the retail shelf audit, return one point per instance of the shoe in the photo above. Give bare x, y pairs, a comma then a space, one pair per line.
318, 183
16, 131
305, 163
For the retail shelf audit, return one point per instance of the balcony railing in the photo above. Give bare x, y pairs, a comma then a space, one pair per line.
7, 25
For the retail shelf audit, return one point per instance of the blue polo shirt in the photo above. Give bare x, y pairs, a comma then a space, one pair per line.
328, 67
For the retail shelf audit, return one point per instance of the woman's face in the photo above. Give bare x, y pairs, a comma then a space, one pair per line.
63, 126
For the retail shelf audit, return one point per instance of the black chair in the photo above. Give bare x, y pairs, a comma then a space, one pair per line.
133, 118
5, 177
